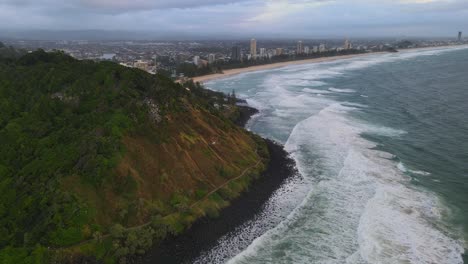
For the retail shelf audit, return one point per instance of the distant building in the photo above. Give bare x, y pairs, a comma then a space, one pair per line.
279, 51
262, 52
300, 48
253, 48
460, 36
306, 50
322, 48
347, 45
142, 65
202, 63
211, 58
196, 60
315, 49
236, 53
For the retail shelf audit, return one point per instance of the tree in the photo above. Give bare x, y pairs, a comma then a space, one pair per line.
232, 97
117, 231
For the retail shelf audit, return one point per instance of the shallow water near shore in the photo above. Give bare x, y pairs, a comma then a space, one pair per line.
381, 143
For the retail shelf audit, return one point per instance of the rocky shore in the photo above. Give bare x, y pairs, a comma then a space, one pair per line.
205, 233
245, 113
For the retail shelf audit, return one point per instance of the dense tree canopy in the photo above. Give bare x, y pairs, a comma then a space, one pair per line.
60, 117
65, 128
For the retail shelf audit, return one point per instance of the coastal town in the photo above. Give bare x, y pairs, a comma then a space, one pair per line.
182, 59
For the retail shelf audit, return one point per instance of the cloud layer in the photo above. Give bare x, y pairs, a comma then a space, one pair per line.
308, 18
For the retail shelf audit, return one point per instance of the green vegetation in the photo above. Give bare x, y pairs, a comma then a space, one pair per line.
10, 52
101, 161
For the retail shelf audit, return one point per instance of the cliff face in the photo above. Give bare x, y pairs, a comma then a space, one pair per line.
101, 161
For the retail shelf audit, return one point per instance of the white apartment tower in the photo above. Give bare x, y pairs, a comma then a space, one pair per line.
347, 45
196, 60
322, 48
211, 58
300, 47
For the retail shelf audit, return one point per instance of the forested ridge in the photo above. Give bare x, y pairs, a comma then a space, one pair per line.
89, 150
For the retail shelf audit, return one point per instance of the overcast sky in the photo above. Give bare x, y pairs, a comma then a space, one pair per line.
306, 18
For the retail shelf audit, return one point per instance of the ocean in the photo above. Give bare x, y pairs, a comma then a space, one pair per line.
381, 145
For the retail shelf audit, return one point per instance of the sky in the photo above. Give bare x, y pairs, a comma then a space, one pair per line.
243, 18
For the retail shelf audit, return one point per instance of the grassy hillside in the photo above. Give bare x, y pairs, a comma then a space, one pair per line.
98, 161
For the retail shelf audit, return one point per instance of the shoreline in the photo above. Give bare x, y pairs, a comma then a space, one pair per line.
232, 72
206, 232
245, 114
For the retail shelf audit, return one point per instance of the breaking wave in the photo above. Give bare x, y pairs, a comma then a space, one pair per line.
355, 203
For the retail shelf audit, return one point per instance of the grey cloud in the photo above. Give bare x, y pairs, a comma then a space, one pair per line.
234, 17
155, 4
114, 6
442, 6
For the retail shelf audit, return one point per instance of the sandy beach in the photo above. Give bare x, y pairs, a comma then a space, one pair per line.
232, 72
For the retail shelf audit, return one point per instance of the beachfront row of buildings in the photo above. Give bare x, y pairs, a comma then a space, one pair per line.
264, 53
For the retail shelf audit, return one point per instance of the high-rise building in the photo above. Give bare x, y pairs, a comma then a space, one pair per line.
253, 48
300, 47
460, 36
262, 52
279, 51
322, 48
196, 60
306, 50
236, 53
315, 49
211, 58
347, 45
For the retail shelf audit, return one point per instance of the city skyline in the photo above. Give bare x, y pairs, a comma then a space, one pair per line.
240, 18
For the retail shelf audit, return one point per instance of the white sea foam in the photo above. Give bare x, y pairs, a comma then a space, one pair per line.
383, 131
315, 91
402, 167
283, 201
359, 193
304, 82
354, 204
341, 90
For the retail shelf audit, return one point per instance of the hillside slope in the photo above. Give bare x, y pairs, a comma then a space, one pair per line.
98, 161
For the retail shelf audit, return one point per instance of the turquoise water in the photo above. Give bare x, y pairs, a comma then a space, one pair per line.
381, 143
